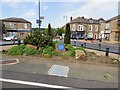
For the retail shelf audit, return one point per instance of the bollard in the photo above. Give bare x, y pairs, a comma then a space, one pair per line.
107, 52
85, 44
81, 45
99, 46
19, 42
75, 43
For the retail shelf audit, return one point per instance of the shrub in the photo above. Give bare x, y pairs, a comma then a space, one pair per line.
47, 55
16, 50
30, 51
72, 53
55, 53
48, 50
39, 40
69, 47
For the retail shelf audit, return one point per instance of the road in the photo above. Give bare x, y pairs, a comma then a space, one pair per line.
12, 79
3, 43
112, 47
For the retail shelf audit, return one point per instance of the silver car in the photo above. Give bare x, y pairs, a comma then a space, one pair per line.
10, 38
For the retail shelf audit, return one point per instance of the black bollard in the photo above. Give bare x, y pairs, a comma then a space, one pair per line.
19, 42
85, 44
107, 52
99, 46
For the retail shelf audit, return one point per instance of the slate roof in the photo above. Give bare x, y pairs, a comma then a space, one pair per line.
113, 18
86, 20
13, 19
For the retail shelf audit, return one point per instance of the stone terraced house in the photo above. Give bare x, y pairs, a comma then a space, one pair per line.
18, 27
85, 28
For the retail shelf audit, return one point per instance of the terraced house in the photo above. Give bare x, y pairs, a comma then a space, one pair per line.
85, 27
111, 29
17, 27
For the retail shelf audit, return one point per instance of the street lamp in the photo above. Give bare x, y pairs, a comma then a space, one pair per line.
39, 17
65, 18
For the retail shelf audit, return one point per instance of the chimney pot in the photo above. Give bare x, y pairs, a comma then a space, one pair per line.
70, 19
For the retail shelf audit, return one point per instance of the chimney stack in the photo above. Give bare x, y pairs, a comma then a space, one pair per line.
70, 19
82, 17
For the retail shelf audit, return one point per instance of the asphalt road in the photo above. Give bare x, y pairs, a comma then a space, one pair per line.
112, 47
20, 79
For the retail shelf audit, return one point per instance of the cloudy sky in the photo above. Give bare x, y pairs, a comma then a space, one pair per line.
55, 10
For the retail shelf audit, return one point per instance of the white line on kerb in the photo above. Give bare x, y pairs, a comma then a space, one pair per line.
33, 83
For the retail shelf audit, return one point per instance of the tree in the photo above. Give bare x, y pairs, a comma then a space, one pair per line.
67, 34
60, 31
3, 28
49, 29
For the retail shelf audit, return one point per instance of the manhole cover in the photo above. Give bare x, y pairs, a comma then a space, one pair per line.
9, 62
58, 70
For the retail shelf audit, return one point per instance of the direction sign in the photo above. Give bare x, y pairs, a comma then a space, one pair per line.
42, 17
38, 21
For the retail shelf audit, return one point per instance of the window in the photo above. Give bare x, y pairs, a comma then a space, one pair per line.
22, 34
11, 25
116, 36
100, 21
90, 35
107, 26
90, 27
25, 26
73, 28
91, 21
80, 28
96, 28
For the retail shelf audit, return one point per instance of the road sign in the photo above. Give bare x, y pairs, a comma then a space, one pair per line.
42, 17
61, 47
38, 21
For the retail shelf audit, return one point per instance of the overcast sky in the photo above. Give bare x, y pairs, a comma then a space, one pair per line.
55, 10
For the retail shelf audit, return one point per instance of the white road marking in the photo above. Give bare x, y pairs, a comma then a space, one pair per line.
33, 83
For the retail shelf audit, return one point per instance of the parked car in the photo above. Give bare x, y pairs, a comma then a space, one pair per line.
10, 38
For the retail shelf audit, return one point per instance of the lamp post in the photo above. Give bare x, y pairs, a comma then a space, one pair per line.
39, 16
65, 18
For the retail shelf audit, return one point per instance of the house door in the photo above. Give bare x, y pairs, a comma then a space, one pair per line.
95, 37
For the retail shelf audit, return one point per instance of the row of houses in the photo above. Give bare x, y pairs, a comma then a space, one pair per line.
81, 27
108, 30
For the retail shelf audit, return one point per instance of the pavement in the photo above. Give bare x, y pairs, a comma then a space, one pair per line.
38, 65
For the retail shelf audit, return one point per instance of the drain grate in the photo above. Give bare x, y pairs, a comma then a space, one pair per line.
58, 70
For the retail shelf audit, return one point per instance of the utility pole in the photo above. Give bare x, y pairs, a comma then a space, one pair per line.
39, 16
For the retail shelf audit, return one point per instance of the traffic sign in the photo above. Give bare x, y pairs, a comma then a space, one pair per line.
42, 17
38, 21
61, 47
